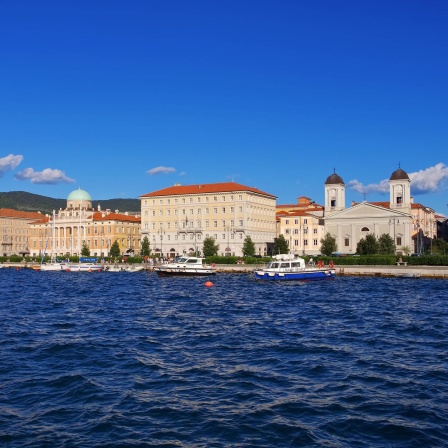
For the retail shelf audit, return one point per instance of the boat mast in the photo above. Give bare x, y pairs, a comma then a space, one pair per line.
53, 242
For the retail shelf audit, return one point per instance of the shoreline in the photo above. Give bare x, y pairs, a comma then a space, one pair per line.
435, 272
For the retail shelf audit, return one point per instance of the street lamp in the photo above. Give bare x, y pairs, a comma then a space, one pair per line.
161, 233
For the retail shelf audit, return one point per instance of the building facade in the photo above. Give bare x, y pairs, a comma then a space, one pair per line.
176, 220
14, 227
79, 223
302, 231
407, 223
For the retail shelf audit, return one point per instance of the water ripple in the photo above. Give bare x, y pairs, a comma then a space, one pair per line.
108, 360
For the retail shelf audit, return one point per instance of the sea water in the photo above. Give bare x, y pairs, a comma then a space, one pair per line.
131, 359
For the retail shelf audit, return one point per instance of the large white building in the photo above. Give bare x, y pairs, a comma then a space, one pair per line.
177, 219
80, 224
350, 225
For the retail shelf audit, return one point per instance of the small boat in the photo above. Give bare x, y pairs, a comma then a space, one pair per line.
185, 266
53, 266
288, 267
126, 268
85, 265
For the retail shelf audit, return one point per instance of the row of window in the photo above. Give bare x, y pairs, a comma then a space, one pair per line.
198, 199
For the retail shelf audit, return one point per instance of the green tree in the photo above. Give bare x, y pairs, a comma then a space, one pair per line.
328, 244
115, 249
145, 250
209, 248
85, 251
367, 245
440, 246
248, 247
386, 245
281, 245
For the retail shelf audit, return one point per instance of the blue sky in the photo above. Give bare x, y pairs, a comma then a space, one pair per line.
124, 98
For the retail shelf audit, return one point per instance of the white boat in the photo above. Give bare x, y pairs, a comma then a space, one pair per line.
185, 266
288, 267
53, 265
123, 268
85, 267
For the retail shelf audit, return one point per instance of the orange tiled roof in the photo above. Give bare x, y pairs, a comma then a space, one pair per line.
98, 216
11, 213
223, 187
295, 213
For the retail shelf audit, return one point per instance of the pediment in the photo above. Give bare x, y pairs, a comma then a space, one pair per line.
364, 210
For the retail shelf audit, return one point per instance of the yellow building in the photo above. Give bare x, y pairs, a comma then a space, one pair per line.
302, 231
79, 223
14, 228
177, 219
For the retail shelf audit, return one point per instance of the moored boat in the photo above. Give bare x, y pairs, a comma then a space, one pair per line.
288, 267
85, 265
185, 266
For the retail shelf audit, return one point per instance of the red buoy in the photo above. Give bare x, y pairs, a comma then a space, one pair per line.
208, 284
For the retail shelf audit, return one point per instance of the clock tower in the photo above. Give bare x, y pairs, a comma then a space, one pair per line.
334, 193
400, 191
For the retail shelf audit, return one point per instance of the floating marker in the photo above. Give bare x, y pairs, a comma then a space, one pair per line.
208, 284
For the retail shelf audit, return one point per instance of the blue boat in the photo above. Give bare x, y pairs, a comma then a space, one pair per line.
288, 267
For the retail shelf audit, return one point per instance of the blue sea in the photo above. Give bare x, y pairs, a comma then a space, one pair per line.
135, 360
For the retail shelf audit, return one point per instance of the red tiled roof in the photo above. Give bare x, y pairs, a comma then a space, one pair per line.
11, 213
295, 213
223, 187
98, 216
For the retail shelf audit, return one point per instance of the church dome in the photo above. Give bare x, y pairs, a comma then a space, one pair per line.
334, 179
399, 175
79, 195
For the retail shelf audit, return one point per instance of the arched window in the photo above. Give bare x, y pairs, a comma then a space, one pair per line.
365, 229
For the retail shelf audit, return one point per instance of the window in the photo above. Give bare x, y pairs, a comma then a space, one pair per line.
305, 221
333, 203
365, 229
215, 210
346, 242
305, 242
223, 209
240, 222
286, 221
315, 242
398, 240
215, 199
215, 223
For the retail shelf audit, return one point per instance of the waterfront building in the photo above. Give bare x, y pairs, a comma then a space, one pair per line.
79, 223
410, 225
177, 219
302, 231
14, 228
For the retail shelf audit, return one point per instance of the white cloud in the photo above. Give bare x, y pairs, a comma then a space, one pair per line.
429, 180
160, 170
422, 182
382, 187
9, 162
47, 176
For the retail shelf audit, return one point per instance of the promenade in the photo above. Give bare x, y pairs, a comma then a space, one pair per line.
440, 272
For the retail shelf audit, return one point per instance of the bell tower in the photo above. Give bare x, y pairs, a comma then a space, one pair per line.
400, 191
334, 193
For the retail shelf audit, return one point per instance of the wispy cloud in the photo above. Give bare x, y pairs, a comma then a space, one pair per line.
424, 181
160, 170
382, 187
9, 163
47, 176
